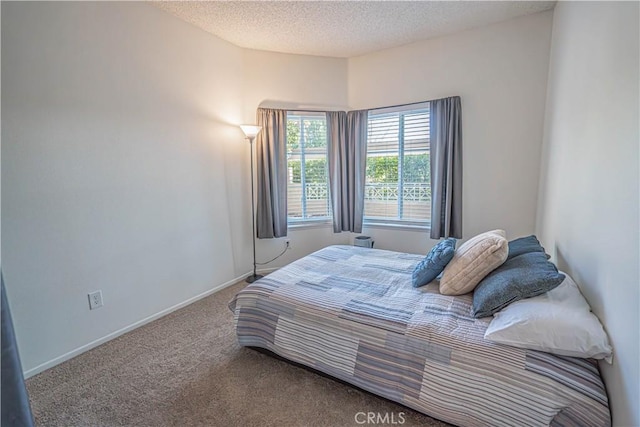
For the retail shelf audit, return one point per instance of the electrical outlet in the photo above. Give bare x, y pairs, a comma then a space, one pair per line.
288, 243
95, 300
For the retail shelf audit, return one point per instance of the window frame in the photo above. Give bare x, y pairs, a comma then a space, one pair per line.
398, 223
313, 222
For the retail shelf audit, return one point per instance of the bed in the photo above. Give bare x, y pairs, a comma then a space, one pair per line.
352, 313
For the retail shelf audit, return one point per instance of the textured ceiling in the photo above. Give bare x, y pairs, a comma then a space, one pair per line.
341, 28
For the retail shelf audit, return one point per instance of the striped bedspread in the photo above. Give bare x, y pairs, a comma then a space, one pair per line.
352, 313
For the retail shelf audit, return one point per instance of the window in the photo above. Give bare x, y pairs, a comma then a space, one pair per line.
398, 182
307, 181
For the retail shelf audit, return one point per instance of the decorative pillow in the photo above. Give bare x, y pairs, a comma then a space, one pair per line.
524, 245
525, 276
433, 264
558, 322
473, 260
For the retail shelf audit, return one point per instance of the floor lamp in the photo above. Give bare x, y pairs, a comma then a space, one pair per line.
250, 132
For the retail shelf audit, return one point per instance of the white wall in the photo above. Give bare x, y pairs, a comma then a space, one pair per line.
500, 72
278, 80
120, 161
124, 169
588, 208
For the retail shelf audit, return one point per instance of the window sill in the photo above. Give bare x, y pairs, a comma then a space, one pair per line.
326, 223
301, 225
397, 226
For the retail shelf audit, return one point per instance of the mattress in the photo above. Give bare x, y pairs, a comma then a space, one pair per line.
352, 313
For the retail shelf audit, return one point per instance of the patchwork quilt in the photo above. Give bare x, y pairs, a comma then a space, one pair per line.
352, 313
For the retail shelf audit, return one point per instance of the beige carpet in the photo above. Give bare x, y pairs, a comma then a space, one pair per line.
187, 369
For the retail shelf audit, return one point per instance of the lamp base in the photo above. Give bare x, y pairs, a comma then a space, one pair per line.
253, 278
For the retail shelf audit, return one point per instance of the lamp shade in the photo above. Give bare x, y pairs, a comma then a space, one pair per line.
250, 131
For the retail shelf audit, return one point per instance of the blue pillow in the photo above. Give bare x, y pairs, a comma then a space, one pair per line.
524, 245
433, 264
524, 276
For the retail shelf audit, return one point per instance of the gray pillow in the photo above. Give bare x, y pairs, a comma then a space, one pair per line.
523, 276
524, 245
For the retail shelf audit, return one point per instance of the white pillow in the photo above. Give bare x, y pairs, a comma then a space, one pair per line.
472, 261
558, 322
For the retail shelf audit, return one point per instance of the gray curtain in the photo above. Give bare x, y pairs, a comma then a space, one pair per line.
446, 167
15, 400
338, 154
347, 154
271, 159
357, 122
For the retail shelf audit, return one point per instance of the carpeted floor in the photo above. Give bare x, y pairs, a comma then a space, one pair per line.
187, 369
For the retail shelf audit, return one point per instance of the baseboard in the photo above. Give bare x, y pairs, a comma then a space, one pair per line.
56, 361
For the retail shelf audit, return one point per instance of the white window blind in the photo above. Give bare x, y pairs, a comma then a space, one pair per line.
397, 187
307, 183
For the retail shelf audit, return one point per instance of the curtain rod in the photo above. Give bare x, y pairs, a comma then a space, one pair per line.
412, 103
305, 110
399, 105
298, 110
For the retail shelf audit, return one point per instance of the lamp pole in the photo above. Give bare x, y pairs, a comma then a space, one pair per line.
250, 132
255, 276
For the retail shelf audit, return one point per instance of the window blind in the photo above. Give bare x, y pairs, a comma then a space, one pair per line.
398, 172
307, 183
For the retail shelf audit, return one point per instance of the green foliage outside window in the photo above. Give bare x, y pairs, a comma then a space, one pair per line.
383, 169
293, 135
315, 137
315, 171
315, 134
